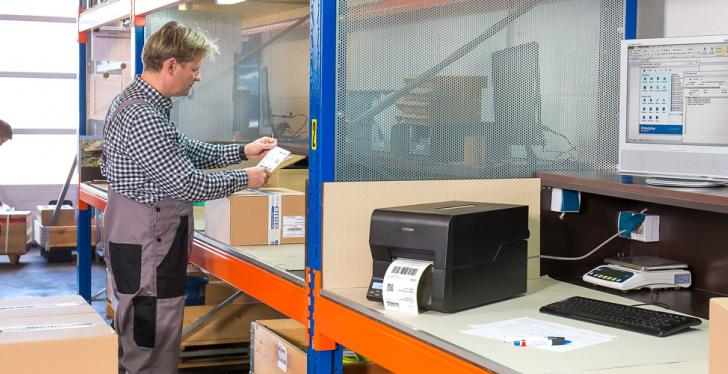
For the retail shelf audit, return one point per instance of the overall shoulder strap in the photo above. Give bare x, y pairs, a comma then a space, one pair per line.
122, 106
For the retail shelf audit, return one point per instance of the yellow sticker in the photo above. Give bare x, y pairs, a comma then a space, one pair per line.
314, 126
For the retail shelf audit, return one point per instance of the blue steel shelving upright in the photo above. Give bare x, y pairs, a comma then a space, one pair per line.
324, 356
83, 233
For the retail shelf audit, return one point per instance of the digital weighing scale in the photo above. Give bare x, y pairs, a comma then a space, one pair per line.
631, 273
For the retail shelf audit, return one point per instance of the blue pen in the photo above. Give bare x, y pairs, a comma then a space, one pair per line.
537, 340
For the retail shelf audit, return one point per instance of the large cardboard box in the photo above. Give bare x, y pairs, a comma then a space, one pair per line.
43, 306
279, 346
15, 226
719, 335
66, 215
266, 216
49, 338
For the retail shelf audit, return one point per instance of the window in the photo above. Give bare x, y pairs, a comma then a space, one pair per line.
39, 90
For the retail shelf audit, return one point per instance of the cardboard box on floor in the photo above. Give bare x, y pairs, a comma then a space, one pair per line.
46, 335
279, 346
43, 306
16, 227
66, 215
284, 176
267, 216
718, 335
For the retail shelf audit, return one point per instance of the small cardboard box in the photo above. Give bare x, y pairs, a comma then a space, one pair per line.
263, 217
279, 346
66, 215
49, 338
718, 335
16, 227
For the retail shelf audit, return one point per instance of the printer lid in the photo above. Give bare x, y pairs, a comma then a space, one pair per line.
450, 208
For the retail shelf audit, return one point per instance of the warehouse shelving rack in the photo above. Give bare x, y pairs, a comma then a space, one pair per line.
329, 322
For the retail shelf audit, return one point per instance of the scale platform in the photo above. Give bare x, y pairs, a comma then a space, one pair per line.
631, 273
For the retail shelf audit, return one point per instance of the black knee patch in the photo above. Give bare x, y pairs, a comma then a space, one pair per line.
172, 271
145, 321
126, 266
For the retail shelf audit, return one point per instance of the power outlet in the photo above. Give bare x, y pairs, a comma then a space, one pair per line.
639, 226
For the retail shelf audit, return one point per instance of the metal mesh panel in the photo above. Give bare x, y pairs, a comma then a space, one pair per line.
476, 89
251, 89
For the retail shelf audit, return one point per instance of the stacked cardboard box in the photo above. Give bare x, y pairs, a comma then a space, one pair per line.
60, 235
266, 216
46, 335
286, 175
15, 234
446, 99
279, 346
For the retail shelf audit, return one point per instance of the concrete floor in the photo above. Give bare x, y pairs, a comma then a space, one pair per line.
35, 277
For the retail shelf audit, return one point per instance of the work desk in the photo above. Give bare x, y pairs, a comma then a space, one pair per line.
629, 352
272, 274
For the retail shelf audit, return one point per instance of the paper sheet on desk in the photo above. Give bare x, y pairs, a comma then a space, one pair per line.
526, 326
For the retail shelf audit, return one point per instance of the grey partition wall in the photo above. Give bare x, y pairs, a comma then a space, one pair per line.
476, 89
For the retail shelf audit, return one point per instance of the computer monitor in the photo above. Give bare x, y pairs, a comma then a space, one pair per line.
516, 100
674, 107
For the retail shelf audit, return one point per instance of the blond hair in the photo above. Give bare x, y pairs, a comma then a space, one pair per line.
176, 41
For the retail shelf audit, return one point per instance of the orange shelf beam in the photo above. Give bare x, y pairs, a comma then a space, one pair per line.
387, 346
92, 197
272, 290
278, 293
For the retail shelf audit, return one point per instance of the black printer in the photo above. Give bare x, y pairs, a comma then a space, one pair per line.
478, 250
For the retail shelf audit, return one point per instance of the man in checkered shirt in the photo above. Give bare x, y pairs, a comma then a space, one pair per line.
154, 174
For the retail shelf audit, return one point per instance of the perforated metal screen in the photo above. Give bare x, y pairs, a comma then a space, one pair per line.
457, 89
258, 84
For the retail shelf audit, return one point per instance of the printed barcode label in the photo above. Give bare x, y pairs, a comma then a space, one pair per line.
404, 270
294, 226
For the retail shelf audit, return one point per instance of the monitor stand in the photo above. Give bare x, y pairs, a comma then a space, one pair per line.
691, 183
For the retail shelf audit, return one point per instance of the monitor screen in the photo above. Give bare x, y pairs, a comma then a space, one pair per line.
674, 107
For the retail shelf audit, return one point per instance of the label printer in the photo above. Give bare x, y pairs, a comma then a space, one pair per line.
478, 251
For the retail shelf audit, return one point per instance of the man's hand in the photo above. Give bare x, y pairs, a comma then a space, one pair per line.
257, 177
259, 148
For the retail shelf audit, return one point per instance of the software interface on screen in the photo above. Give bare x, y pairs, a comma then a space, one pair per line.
678, 94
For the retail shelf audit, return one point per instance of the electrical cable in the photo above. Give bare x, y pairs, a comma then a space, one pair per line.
584, 256
593, 250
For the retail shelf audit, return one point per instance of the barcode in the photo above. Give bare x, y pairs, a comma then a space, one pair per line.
390, 287
404, 270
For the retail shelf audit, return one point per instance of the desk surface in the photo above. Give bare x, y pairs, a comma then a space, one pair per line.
684, 352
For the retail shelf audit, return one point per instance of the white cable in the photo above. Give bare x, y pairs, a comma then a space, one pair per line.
584, 256
592, 251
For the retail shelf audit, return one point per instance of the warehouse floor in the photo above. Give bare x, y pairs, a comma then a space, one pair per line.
35, 277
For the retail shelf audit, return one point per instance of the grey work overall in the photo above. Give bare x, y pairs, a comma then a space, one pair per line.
147, 248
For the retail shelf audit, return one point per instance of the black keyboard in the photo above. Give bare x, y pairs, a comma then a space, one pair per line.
620, 316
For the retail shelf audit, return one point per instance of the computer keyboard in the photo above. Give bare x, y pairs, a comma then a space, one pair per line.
620, 316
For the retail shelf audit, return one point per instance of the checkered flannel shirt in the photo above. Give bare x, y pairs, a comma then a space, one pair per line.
146, 158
